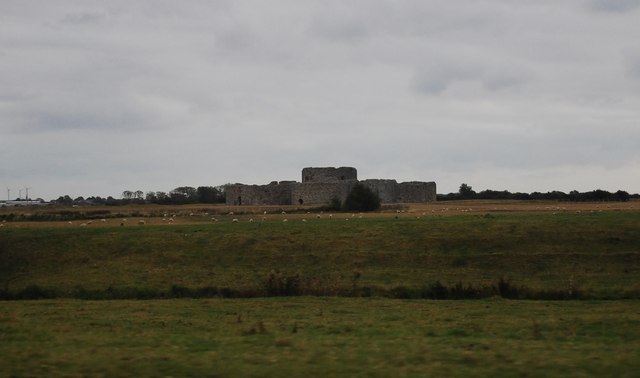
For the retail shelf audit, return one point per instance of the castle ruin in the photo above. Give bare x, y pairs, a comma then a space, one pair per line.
320, 185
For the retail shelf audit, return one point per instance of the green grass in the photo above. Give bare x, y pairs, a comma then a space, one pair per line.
598, 254
306, 336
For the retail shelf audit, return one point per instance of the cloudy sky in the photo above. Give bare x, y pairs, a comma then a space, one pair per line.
97, 97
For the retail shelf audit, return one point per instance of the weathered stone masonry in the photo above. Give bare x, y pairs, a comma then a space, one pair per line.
320, 185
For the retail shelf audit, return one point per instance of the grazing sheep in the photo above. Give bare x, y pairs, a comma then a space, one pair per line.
141, 221
231, 213
214, 219
234, 220
318, 216
330, 216
1, 225
251, 220
264, 212
83, 225
70, 222
170, 220
285, 220
284, 212
304, 220
103, 220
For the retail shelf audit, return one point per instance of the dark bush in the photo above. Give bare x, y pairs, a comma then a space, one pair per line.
361, 198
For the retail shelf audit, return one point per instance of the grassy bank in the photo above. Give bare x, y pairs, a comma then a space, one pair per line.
594, 254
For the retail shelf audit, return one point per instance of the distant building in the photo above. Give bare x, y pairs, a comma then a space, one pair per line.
321, 185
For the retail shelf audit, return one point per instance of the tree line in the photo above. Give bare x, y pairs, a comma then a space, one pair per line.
361, 199
179, 196
466, 192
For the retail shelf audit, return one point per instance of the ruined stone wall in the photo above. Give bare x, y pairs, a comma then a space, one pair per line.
391, 191
320, 193
386, 189
416, 191
328, 174
275, 193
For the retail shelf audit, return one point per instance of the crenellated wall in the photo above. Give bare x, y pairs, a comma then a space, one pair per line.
328, 174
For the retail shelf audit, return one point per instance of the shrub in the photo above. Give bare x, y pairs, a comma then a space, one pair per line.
361, 198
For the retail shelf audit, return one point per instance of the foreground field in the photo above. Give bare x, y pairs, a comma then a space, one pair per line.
305, 336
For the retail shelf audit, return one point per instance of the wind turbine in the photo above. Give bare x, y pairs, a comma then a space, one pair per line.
27, 189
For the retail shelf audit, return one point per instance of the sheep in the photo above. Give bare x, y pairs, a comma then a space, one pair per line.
285, 220
234, 220
284, 212
83, 225
251, 220
141, 222
304, 220
1, 225
264, 212
214, 219
70, 222
103, 220
318, 216
330, 216
231, 213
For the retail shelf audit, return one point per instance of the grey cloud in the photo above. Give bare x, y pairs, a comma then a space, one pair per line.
84, 18
614, 5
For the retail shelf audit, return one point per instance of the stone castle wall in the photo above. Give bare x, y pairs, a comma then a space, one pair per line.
321, 192
320, 185
390, 191
329, 174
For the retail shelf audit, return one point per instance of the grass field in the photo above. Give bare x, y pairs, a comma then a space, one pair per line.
593, 253
345, 275
305, 336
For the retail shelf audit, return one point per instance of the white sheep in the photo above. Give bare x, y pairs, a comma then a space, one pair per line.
251, 220
304, 220
141, 221
234, 220
285, 220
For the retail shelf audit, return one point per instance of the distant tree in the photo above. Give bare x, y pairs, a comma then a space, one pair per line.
138, 194
361, 198
209, 194
183, 194
64, 200
466, 192
621, 196
127, 194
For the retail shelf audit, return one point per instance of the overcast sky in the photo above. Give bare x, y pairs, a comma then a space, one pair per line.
98, 97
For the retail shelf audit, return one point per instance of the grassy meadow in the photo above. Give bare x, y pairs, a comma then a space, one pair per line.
322, 296
305, 336
594, 254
